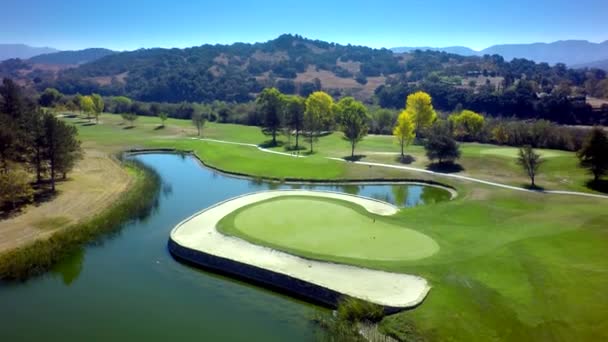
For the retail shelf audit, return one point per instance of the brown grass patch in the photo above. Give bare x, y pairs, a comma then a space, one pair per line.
87, 192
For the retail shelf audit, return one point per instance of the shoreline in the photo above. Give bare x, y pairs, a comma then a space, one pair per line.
300, 181
39, 255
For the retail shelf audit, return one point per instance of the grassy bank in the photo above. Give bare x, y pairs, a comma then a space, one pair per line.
42, 254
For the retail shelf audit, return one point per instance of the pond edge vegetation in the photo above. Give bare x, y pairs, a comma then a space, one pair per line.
41, 255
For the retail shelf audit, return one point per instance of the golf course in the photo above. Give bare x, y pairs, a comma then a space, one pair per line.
501, 263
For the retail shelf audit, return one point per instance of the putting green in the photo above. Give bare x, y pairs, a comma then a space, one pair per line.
322, 227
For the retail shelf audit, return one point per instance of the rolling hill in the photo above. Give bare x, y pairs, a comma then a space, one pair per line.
71, 57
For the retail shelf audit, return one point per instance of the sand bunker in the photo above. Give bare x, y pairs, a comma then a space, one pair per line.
198, 233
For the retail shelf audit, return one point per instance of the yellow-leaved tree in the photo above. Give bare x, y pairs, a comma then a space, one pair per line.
467, 124
318, 115
404, 131
420, 107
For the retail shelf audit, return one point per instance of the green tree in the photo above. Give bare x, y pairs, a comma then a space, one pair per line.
163, 116
98, 106
62, 146
318, 115
530, 161
49, 97
420, 107
295, 107
467, 124
440, 144
594, 153
198, 120
352, 119
15, 186
87, 105
270, 104
122, 104
76, 102
404, 131
130, 118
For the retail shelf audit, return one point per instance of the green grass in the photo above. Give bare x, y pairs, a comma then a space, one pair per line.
488, 162
512, 266
326, 229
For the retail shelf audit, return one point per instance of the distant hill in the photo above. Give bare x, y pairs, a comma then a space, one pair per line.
22, 51
569, 52
603, 64
458, 50
72, 57
297, 65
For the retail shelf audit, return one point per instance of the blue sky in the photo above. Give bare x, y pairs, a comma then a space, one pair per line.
132, 24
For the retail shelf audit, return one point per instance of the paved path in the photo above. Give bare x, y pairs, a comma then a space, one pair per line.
385, 288
414, 169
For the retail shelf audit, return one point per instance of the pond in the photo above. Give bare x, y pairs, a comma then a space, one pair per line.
128, 287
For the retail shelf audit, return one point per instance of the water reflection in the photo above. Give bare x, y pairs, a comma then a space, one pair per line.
70, 267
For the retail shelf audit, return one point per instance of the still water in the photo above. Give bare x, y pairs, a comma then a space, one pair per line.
128, 287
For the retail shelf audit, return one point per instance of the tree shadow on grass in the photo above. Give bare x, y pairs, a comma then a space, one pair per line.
159, 127
445, 167
532, 187
42, 194
89, 124
406, 159
354, 158
129, 127
291, 148
270, 144
600, 185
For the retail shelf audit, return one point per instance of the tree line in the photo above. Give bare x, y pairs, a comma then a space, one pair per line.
36, 148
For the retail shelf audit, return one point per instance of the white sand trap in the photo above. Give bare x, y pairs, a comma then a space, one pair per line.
385, 288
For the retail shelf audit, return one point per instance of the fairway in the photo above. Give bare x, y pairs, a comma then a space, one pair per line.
512, 152
327, 227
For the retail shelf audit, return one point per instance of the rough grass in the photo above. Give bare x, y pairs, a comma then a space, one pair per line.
326, 229
84, 194
39, 256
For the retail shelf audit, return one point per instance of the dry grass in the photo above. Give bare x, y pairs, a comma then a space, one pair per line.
96, 182
331, 81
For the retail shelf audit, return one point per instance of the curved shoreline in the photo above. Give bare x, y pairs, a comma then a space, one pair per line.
197, 240
300, 181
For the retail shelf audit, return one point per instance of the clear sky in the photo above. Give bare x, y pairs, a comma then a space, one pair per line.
132, 24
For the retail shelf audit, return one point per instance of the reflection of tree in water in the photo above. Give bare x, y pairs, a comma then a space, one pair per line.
383, 196
70, 267
167, 189
428, 195
400, 193
273, 185
352, 189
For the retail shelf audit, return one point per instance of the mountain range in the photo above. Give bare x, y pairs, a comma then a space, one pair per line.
574, 53
71, 57
22, 51
570, 52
